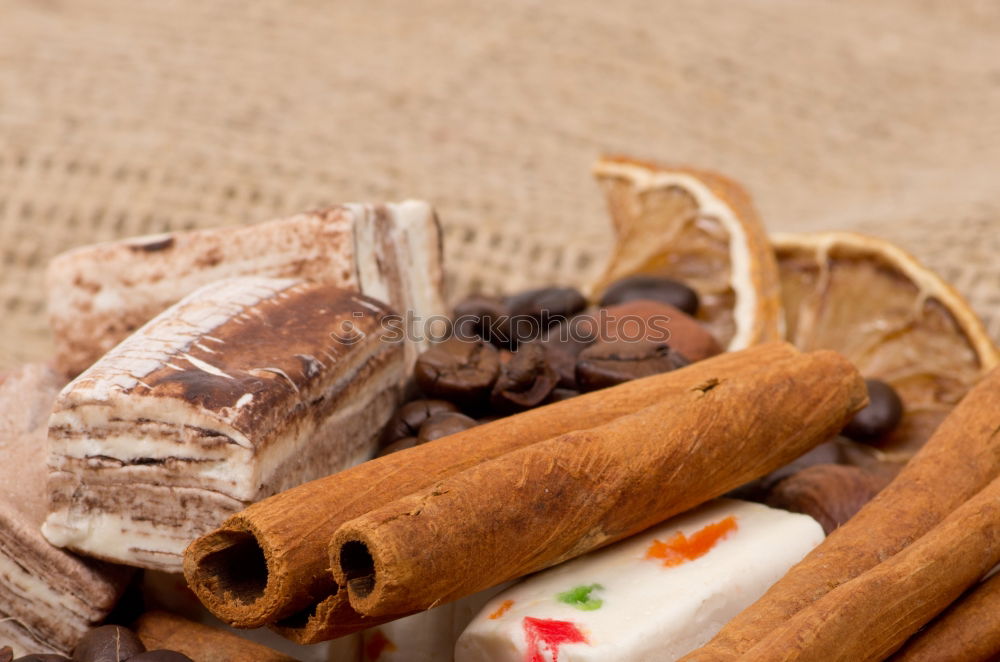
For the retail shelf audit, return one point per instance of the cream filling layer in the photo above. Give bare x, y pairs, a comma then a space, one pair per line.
118, 536
230, 469
23, 591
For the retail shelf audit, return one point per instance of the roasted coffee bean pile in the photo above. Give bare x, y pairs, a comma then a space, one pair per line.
509, 354
108, 643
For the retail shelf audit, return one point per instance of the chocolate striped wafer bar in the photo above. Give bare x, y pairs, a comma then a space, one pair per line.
48, 597
98, 295
247, 387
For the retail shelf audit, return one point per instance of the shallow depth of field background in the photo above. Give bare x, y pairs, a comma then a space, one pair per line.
124, 118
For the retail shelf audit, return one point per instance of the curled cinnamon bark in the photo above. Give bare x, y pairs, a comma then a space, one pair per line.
969, 630
202, 643
269, 563
869, 617
557, 499
961, 458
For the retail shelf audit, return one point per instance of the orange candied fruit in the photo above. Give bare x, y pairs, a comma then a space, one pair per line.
680, 549
502, 609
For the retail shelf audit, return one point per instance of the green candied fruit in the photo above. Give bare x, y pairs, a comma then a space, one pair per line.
579, 597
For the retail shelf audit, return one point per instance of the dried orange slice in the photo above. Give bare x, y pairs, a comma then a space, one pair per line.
700, 228
895, 319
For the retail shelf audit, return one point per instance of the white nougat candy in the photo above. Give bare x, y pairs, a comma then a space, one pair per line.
651, 598
247, 387
425, 637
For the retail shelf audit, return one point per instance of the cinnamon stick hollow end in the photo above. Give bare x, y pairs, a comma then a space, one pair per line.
232, 568
560, 498
247, 581
293, 529
331, 618
245, 388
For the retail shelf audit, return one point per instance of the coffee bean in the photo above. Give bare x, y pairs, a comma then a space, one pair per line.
829, 493
572, 336
560, 394
407, 420
655, 288
108, 643
43, 657
612, 362
757, 490
482, 317
564, 342
562, 362
525, 381
655, 321
460, 371
160, 655
547, 302
6, 654
880, 417
443, 424
398, 445
534, 311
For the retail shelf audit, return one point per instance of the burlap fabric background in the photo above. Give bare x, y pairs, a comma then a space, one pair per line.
120, 118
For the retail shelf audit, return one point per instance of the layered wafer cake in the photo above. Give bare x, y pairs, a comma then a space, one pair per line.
48, 597
98, 295
247, 387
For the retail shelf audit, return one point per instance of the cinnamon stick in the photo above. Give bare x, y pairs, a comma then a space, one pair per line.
969, 630
960, 458
870, 616
560, 498
269, 562
331, 618
202, 643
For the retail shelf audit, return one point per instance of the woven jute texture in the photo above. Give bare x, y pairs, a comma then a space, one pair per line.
123, 118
